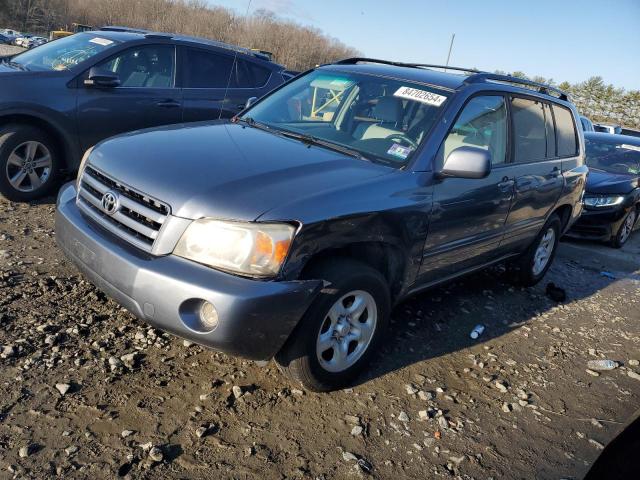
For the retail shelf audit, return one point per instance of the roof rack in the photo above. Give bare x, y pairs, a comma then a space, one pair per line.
356, 60
541, 87
475, 77
115, 28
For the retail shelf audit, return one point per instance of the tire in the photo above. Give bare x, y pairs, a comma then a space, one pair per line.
26, 154
625, 229
303, 359
529, 267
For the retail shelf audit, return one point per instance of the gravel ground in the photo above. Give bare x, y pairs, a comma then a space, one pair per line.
9, 50
88, 391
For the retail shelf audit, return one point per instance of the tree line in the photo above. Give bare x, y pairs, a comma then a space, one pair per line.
597, 100
297, 46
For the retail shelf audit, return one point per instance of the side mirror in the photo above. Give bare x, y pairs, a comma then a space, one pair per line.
250, 101
467, 162
102, 79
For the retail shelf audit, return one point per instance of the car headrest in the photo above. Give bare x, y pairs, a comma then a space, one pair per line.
388, 109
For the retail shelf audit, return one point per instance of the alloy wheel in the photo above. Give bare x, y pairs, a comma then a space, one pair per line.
627, 226
29, 166
346, 331
544, 251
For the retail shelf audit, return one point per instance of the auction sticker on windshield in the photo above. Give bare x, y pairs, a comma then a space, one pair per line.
101, 41
422, 96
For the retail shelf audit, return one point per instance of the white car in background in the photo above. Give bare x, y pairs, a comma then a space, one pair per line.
23, 40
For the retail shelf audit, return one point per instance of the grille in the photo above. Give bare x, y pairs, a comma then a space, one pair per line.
138, 218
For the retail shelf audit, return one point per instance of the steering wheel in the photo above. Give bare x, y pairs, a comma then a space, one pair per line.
403, 138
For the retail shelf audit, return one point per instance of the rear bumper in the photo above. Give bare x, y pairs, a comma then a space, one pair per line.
255, 317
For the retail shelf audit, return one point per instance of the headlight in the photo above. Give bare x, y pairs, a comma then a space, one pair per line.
598, 202
83, 163
255, 249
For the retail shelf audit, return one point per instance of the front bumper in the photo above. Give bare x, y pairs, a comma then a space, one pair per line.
598, 224
255, 317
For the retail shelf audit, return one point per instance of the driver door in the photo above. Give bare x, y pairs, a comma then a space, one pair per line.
146, 97
468, 217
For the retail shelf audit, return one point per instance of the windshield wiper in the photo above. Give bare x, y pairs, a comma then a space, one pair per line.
311, 140
305, 138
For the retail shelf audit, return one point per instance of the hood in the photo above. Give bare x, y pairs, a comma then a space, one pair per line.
5, 69
226, 170
601, 182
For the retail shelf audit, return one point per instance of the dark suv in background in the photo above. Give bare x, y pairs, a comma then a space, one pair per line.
291, 231
59, 99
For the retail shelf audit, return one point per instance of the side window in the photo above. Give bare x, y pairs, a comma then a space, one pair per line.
551, 131
529, 130
482, 123
567, 144
204, 69
250, 75
150, 66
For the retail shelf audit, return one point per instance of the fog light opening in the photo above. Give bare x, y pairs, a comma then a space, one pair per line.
208, 316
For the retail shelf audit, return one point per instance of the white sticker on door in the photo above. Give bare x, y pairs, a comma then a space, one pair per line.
422, 96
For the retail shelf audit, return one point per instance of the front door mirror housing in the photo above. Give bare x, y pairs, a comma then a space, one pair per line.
102, 78
467, 162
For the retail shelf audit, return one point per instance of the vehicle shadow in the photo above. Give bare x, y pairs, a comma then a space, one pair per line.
439, 321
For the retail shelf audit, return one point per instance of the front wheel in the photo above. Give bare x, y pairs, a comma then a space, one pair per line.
624, 232
335, 339
535, 262
29, 164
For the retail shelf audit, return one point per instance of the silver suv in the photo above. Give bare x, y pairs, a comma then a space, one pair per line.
292, 230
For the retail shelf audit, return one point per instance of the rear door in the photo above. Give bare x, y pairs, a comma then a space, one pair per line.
537, 168
218, 84
468, 217
147, 95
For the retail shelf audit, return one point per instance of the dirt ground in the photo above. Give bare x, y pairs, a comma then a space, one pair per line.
9, 50
88, 391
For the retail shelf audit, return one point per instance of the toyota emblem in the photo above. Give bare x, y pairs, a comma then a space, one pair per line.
109, 203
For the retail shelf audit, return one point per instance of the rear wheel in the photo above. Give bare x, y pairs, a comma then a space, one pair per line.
534, 263
624, 232
335, 339
29, 164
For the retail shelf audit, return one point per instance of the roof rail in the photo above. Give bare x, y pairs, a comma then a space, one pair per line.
541, 87
475, 77
109, 28
158, 35
355, 60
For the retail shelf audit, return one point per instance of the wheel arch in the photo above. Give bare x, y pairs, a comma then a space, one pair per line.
62, 140
564, 213
388, 259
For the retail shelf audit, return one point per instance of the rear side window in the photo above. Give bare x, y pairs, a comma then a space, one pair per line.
529, 130
249, 75
204, 69
483, 124
566, 131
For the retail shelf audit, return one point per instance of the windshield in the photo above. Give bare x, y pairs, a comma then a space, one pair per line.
614, 157
383, 120
64, 53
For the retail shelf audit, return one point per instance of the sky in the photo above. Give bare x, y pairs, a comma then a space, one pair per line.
558, 39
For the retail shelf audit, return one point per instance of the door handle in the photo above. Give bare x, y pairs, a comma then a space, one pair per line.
556, 172
506, 184
168, 104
